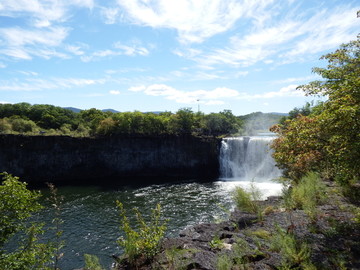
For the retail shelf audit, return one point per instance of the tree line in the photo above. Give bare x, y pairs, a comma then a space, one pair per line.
23, 118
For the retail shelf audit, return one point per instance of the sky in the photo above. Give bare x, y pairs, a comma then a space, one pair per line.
162, 55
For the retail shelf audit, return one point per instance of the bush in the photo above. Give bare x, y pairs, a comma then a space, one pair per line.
145, 241
17, 205
308, 193
92, 262
294, 253
245, 201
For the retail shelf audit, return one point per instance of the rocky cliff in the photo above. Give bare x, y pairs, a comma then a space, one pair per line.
119, 160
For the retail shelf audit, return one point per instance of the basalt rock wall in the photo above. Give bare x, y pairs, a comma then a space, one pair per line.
121, 160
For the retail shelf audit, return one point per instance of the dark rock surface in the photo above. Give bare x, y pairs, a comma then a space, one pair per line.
120, 160
333, 240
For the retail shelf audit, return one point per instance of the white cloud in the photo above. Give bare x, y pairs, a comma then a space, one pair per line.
216, 96
41, 13
114, 92
37, 84
111, 15
286, 39
119, 49
287, 91
131, 50
297, 79
189, 97
28, 73
40, 34
23, 44
2, 65
75, 49
194, 20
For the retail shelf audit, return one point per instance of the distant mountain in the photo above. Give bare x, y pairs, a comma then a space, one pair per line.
110, 110
279, 113
75, 110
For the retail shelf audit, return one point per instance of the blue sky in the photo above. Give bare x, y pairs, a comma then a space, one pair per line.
162, 55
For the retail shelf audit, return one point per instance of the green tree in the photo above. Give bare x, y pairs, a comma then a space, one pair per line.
17, 205
335, 126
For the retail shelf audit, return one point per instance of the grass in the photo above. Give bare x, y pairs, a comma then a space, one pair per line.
294, 252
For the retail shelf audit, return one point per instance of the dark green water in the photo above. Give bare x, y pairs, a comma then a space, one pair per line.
91, 222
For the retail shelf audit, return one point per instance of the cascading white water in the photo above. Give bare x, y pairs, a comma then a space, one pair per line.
247, 159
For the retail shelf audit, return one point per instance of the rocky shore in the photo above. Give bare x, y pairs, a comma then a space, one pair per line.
280, 239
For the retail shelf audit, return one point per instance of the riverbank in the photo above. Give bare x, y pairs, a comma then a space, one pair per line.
279, 240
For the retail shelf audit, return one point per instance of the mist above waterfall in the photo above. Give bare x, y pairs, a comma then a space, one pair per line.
258, 122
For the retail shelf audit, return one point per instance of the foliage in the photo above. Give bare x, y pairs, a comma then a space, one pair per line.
92, 262
224, 262
56, 203
248, 200
244, 201
146, 240
329, 138
260, 233
299, 147
178, 258
308, 194
216, 243
17, 205
294, 253
51, 120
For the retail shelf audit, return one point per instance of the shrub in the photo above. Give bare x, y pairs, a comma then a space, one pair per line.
293, 252
244, 201
146, 240
308, 193
247, 201
92, 262
17, 205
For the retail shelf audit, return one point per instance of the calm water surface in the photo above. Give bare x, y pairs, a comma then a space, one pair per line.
91, 221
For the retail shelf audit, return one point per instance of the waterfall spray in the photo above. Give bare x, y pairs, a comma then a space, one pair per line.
247, 159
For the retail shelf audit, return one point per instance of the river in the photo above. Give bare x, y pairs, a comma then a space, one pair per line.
91, 221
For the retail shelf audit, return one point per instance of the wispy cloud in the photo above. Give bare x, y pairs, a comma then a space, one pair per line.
216, 96
39, 32
287, 39
118, 48
208, 97
193, 20
287, 91
24, 44
296, 79
41, 13
114, 92
37, 84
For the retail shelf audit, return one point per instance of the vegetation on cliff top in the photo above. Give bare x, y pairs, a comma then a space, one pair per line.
23, 118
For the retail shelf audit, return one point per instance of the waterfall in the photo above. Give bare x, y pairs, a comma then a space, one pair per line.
247, 159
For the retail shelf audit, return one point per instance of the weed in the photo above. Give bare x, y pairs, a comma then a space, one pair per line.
293, 252
92, 262
146, 240
263, 234
224, 262
247, 201
216, 243
307, 194
268, 210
